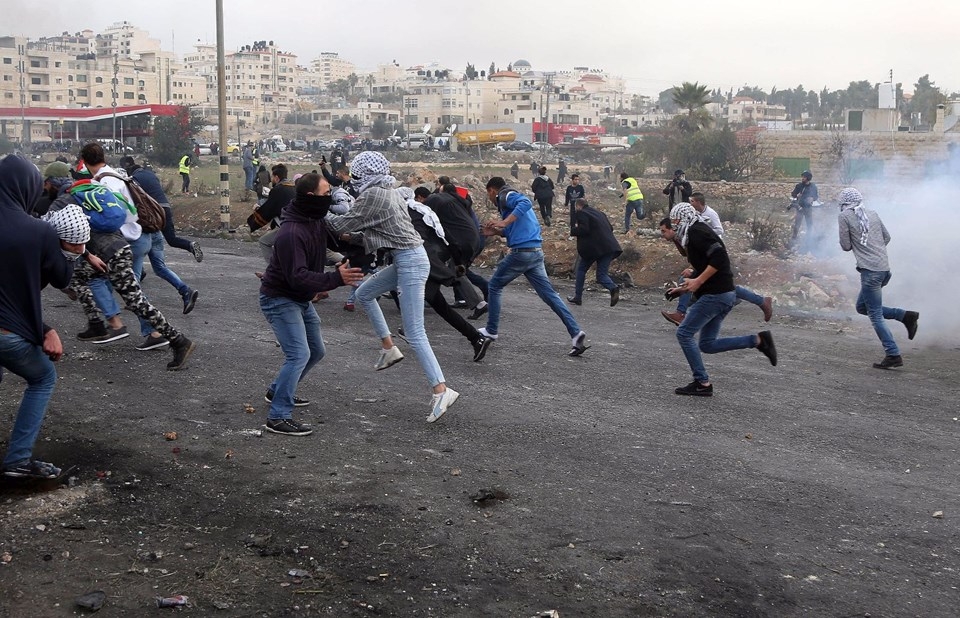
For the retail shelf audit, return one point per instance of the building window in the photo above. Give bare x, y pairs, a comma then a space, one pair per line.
128, 95
99, 80
34, 97
35, 81
8, 60
99, 94
127, 81
81, 78
82, 92
35, 64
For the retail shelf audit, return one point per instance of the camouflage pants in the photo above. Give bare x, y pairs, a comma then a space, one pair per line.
120, 274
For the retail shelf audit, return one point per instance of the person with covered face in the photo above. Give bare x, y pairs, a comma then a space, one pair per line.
711, 284
806, 195
379, 220
862, 231
292, 279
679, 189
33, 256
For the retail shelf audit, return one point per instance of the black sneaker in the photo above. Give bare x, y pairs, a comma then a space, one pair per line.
296, 400
574, 300
910, 321
766, 346
33, 470
614, 296
889, 362
479, 311
112, 334
288, 427
459, 304
195, 250
695, 389
152, 343
95, 330
480, 348
182, 349
579, 345
189, 301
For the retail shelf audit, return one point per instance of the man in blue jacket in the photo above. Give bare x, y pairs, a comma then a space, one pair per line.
32, 257
520, 227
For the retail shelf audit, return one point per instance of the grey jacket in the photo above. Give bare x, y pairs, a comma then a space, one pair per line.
871, 255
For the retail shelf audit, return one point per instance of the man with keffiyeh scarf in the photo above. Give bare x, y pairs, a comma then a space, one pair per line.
862, 232
714, 291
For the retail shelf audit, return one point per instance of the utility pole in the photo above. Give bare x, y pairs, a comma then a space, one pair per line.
24, 134
222, 124
544, 126
113, 103
406, 120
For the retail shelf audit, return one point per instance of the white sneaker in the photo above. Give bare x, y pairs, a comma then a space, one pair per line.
483, 331
440, 402
388, 358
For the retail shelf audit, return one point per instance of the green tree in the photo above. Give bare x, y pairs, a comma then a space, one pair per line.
171, 135
340, 88
353, 80
345, 121
926, 97
754, 92
471, 72
694, 98
380, 129
665, 101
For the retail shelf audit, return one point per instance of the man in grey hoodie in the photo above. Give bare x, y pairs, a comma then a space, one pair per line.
862, 232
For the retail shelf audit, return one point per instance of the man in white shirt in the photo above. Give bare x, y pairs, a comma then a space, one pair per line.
699, 203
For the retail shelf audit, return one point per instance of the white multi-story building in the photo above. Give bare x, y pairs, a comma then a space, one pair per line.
330, 67
124, 40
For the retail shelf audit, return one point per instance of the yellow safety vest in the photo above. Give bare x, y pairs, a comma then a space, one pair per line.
185, 164
633, 193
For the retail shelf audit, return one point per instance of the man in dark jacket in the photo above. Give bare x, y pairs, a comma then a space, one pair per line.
149, 182
805, 194
542, 188
595, 243
292, 279
281, 194
463, 235
679, 190
575, 191
31, 254
715, 295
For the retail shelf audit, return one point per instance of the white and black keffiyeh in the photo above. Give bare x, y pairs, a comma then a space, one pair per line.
429, 217
70, 223
688, 215
851, 198
372, 170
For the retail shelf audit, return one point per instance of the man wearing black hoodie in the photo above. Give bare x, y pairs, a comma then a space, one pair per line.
32, 258
292, 279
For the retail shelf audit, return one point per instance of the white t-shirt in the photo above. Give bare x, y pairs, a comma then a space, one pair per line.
713, 220
130, 229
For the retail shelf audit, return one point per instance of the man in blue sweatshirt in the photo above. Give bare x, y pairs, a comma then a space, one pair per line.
519, 225
32, 258
292, 279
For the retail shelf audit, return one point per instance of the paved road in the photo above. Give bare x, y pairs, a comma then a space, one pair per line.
805, 489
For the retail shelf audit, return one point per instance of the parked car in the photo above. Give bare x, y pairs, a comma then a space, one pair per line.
539, 145
517, 145
298, 144
233, 147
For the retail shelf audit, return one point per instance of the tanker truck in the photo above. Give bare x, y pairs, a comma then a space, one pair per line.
462, 140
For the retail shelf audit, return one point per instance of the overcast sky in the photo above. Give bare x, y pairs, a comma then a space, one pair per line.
655, 45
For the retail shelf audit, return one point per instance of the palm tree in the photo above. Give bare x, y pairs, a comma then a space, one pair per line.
693, 98
353, 80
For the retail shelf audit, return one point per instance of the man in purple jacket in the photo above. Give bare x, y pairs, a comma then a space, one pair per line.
292, 279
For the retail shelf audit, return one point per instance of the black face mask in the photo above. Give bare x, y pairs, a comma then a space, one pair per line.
313, 206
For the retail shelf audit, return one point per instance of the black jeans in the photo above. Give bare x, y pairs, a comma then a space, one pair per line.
170, 234
186, 182
546, 210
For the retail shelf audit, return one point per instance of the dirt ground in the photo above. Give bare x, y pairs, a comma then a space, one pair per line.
820, 487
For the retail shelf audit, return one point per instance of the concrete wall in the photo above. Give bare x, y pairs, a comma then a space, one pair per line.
905, 156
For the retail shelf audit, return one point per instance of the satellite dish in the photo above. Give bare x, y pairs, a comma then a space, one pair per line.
426, 128
348, 129
453, 128
394, 133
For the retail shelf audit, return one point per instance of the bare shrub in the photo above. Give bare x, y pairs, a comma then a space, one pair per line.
733, 211
766, 233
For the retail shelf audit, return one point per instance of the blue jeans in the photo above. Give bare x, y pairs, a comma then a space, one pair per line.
636, 206
742, 294
249, 173
140, 248
603, 278
706, 316
30, 363
159, 265
870, 303
530, 265
408, 275
297, 327
103, 295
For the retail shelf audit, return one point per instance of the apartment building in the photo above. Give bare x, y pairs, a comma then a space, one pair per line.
744, 110
330, 67
124, 40
259, 78
367, 112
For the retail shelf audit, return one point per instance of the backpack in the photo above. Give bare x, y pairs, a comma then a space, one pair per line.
106, 210
150, 213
